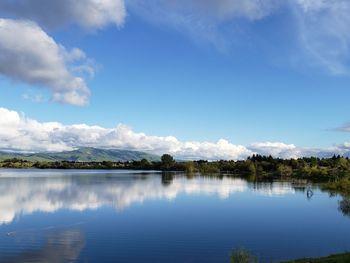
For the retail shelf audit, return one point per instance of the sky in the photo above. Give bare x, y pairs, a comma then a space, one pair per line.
209, 79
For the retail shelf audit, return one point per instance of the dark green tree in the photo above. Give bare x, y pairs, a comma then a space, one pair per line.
144, 163
167, 161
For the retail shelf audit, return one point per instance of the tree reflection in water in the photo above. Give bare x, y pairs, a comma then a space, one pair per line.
344, 206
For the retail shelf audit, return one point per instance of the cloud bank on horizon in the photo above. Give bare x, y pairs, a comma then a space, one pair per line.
32, 56
19, 133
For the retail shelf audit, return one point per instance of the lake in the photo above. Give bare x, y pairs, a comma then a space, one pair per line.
130, 216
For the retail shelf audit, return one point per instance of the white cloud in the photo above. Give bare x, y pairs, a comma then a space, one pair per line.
29, 55
282, 150
90, 14
276, 149
21, 133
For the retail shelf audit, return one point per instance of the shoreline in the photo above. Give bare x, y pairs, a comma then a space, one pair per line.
333, 258
333, 174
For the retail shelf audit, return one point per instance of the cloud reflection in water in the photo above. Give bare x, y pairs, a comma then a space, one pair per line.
26, 194
59, 247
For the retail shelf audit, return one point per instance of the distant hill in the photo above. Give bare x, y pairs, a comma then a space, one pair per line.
86, 154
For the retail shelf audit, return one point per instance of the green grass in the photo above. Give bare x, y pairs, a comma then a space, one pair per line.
244, 256
339, 258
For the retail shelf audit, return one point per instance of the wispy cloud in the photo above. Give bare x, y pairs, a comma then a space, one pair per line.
203, 21
344, 128
321, 29
324, 34
37, 98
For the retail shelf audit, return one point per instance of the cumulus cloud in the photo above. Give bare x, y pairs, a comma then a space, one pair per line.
276, 149
282, 150
29, 55
90, 14
24, 134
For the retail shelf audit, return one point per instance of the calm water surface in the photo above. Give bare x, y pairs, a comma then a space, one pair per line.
87, 216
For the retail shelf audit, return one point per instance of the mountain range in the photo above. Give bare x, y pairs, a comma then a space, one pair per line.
85, 154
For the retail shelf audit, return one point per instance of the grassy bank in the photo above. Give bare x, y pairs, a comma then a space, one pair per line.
339, 258
341, 186
244, 256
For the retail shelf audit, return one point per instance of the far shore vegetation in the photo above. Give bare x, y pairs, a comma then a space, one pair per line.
333, 173
244, 256
338, 258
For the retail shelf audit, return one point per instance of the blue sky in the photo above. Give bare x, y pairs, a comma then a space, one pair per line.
272, 74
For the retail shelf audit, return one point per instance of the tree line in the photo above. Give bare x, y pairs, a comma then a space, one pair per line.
334, 171
255, 166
